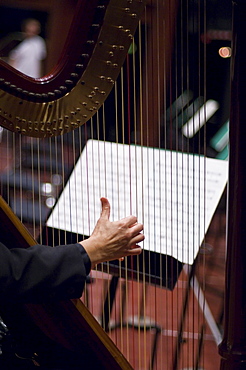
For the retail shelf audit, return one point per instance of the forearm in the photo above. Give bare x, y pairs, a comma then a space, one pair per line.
42, 273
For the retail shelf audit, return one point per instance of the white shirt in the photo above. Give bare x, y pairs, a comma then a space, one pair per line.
27, 56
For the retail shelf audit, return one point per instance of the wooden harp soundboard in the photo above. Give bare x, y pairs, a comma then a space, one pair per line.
84, 334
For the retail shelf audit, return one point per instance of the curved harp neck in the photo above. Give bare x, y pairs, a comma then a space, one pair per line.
98, 42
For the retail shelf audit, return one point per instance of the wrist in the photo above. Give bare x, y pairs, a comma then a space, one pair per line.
92, 251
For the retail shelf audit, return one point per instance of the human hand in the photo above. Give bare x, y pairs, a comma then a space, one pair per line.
113, 240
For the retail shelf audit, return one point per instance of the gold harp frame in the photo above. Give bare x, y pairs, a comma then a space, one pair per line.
96, 47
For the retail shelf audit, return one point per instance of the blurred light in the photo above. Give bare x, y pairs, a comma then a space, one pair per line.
200, 118
225, 52
1, 133
46, 188
50, 202
56, 179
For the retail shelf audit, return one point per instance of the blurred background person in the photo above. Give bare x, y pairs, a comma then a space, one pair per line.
27, 57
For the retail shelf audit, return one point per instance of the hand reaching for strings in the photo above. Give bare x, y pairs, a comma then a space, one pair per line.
113, 240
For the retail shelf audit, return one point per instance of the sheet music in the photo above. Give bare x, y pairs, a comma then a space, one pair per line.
173, 194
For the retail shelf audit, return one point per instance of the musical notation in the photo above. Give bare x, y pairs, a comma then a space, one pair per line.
173, 194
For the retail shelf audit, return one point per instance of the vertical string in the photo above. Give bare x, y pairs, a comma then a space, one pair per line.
39, 226
203, 204
144, 141
138, 175
63, 183
123, 124
198, 192
177, 91
163, 214
14, 175
33, 185
143, 358
203, 285
117, 204
129, 127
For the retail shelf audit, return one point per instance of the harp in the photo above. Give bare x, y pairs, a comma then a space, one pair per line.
156, 308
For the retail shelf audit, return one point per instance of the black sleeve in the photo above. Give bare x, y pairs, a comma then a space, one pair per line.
42, 273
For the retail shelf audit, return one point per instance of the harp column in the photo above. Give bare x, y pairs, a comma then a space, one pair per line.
233, 346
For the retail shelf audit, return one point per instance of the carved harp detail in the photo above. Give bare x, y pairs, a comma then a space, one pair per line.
98, 42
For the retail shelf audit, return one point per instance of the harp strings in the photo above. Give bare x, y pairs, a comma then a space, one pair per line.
132, 294
143, 110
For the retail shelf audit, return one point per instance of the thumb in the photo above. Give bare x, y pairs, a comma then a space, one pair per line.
105, 213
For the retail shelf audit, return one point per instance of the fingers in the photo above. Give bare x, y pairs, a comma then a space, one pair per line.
133, 229
129, 221
135, 250
137, 239
137, 228
105, 212
135, 234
